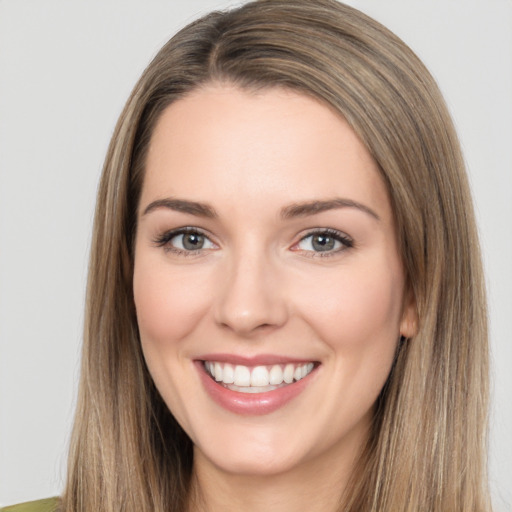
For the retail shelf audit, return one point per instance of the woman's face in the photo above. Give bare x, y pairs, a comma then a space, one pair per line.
269, 290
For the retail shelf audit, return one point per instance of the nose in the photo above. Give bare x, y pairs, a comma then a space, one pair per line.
251, 297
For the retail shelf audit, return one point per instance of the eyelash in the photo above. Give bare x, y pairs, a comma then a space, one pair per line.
338, 236
164, 240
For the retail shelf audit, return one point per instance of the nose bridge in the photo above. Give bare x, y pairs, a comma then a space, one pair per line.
250, 297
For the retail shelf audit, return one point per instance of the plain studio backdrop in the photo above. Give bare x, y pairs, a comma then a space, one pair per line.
66, 69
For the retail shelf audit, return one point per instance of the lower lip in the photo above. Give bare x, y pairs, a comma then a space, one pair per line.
254, 404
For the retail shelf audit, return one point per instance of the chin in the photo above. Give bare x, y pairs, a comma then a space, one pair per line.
247, 462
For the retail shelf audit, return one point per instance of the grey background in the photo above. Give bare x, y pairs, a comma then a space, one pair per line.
66, 68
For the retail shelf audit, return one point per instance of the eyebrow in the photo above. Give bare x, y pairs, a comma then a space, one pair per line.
303, 209
314, 207
182, 205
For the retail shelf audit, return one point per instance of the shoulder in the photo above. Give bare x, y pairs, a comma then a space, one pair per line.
47, 505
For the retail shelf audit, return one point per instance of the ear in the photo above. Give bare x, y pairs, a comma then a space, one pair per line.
409, 321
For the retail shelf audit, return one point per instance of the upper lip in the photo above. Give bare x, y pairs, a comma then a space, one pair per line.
254, 360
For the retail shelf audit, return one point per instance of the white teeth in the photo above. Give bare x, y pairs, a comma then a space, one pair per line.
259, 378
288, 373
228, 374
251, 389
218, 372
242, 376
276, 375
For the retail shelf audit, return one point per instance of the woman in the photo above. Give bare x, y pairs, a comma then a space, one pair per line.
283, 204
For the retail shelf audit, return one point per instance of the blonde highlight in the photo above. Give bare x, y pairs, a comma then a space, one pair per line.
428, 444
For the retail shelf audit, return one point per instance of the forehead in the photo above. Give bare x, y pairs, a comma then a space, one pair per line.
224, 144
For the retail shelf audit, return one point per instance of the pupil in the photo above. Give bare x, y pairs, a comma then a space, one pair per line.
193, 241
323, 243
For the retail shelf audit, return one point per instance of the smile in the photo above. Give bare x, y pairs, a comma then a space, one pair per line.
257, 379
262, 385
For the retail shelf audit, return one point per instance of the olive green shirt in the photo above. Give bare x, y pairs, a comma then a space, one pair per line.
48, 505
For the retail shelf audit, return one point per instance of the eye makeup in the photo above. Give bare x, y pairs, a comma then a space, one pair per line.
189, 241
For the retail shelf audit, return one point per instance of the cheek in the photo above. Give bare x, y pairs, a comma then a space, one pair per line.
357, 315
358, 309
169, 302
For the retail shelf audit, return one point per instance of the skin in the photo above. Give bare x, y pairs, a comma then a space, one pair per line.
258, 286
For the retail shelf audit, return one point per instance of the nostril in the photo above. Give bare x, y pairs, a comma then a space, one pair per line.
248, 327
248, 300
260, 318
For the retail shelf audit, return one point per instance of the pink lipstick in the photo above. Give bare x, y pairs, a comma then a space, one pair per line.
256, 385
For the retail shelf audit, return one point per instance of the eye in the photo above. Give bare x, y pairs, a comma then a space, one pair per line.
190, 241
327, 241
184, 241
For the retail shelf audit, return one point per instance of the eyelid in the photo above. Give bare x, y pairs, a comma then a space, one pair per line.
346, 241
163, 240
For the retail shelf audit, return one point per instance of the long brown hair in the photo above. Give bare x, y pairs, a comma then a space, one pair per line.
428, 443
